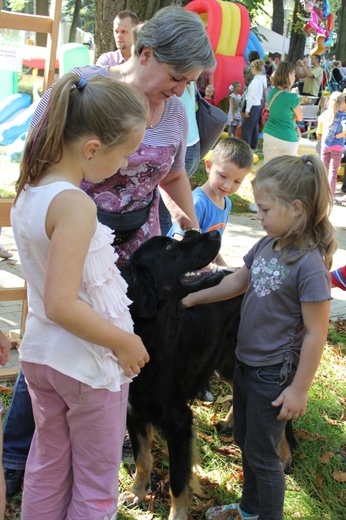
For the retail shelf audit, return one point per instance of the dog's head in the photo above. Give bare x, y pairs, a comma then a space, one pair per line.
163, 268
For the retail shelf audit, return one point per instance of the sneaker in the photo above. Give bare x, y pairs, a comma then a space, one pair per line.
5, 254
214, 513
253, 207
14, 480
340, 201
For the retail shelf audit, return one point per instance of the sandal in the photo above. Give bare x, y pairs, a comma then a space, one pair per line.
5, 254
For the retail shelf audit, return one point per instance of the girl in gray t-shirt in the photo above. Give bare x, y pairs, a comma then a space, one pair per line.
284, 319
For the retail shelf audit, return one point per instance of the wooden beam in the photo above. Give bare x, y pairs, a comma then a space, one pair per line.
12, 294
5, 210
25, 22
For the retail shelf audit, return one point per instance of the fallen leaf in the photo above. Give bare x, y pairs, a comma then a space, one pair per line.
339, 476
326, 457
319, 481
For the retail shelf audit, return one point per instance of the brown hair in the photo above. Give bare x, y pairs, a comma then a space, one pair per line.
78, 107
128, 14
234, 150
288, 178
281, 76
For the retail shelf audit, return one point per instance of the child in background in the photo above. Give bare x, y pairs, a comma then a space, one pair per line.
284, 319
234, 111
209, 94
331, 132
78, 352
230, 162
5, 347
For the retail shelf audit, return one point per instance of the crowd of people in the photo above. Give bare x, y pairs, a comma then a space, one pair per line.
106, 166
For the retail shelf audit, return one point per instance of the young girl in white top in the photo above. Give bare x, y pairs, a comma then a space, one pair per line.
284, 319
78, 352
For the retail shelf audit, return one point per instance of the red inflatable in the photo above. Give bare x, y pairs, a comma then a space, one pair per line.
228, 27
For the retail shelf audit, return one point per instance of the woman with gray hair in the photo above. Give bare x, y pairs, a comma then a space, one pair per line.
170, 50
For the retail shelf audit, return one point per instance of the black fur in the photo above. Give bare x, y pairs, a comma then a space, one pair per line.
186, 346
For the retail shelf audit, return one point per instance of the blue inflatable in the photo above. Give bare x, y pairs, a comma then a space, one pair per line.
253, 44
12, 104
11, 130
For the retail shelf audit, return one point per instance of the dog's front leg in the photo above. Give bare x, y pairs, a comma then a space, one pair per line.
179, 440
141, 441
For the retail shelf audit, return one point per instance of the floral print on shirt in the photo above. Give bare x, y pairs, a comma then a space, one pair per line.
267, 277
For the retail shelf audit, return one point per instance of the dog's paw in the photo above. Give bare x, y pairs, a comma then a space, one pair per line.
129, 499
224, 427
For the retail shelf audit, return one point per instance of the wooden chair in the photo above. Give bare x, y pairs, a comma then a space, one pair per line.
12, 293
41, 24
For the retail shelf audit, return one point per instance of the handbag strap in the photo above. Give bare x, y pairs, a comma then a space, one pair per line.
274, 97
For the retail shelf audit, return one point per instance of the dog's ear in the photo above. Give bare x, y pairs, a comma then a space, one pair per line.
141, 292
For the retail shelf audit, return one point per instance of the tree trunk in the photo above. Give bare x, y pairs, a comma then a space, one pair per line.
41, 8
340, 48
106, 10
278, 17
75, 19
298, 37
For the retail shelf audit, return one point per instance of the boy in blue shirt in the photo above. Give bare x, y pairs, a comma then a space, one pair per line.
230, 162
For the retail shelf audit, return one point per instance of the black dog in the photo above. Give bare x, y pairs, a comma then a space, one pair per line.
186, 346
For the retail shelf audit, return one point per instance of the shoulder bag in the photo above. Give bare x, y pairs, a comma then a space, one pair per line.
211, 122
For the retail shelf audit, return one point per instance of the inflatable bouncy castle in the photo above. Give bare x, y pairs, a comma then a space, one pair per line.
228, 27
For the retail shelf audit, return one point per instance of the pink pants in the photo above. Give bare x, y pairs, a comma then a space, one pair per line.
73, 463
331, 159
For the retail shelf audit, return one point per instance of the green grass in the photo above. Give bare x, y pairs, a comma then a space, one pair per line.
313, 491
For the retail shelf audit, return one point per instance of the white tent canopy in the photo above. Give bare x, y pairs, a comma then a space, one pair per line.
272, 42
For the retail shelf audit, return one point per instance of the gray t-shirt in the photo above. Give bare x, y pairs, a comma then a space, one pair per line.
271, 329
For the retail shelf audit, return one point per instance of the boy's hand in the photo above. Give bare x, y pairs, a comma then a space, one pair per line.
293, 404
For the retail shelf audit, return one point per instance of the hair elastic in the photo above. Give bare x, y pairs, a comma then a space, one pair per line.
81, 83
305, 159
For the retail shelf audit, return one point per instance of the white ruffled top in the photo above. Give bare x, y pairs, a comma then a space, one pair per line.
102, 287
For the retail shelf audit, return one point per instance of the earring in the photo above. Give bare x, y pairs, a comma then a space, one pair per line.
89, 158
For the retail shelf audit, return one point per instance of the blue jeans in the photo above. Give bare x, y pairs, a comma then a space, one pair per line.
19, 427
249, 129
258, 432
192, 158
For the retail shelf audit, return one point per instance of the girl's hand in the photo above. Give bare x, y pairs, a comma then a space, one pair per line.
133, 357
293, 404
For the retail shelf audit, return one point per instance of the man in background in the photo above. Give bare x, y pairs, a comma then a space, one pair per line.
313, 77
123, 24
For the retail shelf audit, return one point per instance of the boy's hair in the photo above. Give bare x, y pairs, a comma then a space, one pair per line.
253, 55
108, 110
289, 178
232, 149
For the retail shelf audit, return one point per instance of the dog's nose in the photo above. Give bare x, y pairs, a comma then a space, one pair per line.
215, 234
